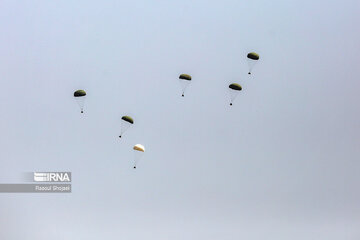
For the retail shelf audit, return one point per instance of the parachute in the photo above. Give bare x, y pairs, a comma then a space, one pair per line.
234, 89
184, 82
139, 151
80, 96
252, 59
126, 122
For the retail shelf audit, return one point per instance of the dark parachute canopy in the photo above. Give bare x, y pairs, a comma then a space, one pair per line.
185, 80
80, 98
253, 56
79, 93
126, 123
235, 86
252, 59
234, 89
185, 77
128, 119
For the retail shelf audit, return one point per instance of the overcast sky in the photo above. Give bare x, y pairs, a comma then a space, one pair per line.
281, 164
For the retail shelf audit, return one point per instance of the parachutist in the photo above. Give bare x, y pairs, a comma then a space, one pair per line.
182, 95
120, 136
79, 95
234, 90
139, 150
249, 73
134, 167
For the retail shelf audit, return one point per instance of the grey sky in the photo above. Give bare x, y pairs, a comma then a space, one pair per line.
281, 163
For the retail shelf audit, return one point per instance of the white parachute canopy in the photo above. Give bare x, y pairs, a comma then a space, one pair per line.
139, 151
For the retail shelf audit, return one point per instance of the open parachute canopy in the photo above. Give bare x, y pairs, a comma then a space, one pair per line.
139, 151
235, 86
234, 90
139, 147
253, 56
185, 77
79, 93
252, 60
80, 96
185, 80
128, 119
126, 123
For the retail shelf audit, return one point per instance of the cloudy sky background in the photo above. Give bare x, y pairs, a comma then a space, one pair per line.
281, 163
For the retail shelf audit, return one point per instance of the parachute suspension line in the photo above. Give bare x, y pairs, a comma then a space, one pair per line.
233, 95
251, 65
184, 84
137, 156
124, 126
81, 102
